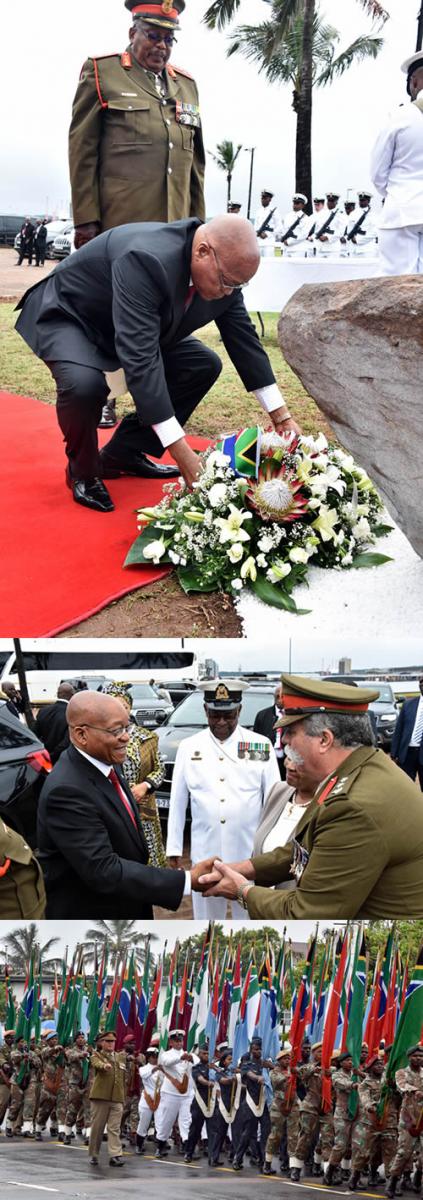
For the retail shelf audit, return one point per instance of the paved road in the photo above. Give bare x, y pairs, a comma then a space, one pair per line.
13, 279
51, 1169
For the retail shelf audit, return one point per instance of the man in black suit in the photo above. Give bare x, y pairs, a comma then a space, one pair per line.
130, 299
265, 724
92, 847
407, 742
51, 725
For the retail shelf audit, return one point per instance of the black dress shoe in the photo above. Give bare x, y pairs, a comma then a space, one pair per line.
117, 1161
94, 1161
91, 493
108, 416
139, 465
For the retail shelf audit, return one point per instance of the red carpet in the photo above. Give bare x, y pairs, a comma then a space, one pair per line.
60, 562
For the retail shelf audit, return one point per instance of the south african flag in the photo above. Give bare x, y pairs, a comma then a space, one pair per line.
243, 450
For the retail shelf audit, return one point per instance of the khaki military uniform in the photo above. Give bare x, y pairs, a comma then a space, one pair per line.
132, 1094
22, 891
5, 1077
107, 1100
23, 1090
410, 1084
135, 154
361, 839
343, 1124
316, 1127
282, 1122
373, 1141
79, 1081
52, 1084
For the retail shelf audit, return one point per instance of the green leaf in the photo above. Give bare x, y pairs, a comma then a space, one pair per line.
135, 554
370, 559
382, 530
191, 580
276, 596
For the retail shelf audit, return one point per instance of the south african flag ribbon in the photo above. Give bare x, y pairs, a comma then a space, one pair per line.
243, 450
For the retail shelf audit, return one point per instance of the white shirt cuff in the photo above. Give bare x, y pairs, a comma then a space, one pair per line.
169, 431
270, 397
187, 886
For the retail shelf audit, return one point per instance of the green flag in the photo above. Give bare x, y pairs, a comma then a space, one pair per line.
356, 1013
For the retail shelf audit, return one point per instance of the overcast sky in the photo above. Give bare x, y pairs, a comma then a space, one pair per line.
43, 49
70, 933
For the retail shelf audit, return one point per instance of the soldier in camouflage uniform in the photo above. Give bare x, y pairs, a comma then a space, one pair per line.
132, 1087
79, 1081
344, 1085
373, 1139
25, 1063
5, 1072
53, 1062
409, 1081
312, 1121
283, 1121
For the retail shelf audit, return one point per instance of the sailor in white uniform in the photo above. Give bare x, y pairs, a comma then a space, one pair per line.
151, 1080
295, 227
329, 226
225, 772
267, 220
364, 232
176, 1091
397, 174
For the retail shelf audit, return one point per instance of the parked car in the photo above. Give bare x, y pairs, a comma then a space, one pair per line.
53, 229
63, 243
148, 708
24, 765
188, 718
385, 708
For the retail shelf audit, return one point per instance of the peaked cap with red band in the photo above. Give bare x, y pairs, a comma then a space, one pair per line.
302, 698
157, 12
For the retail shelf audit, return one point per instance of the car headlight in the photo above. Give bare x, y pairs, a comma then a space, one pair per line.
388, 718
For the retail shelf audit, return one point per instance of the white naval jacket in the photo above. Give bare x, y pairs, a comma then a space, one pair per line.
150, 1078
301, 231
397, 168
226, 792
172, 1062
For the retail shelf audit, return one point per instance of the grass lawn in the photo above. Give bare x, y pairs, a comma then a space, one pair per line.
227, 406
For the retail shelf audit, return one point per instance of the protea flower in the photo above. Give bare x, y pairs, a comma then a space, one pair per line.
276, 496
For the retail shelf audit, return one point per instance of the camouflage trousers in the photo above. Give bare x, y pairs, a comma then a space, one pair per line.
316, 1132
130, 1113
52, 1106
4, 1100
370, 1146
343, 1130
78, 1103
283, 1126
406, 1146
15, 1113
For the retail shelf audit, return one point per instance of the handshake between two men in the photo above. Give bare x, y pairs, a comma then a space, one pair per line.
229, 880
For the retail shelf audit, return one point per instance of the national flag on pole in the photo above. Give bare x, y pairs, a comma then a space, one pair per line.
409, 1031
127, 1004
356, 1010
332, 1016
165, 1023
235, 997
10, 1002
151, 1021
299, 1019
213, 1014
200, 1001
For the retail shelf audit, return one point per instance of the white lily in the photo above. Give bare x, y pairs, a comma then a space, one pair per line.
278, 571
298, 554
249, 569
325, 522
231, 527
155, 551
235, 552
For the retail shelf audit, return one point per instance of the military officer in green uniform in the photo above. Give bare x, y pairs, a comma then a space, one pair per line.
135, 143
358, 849
22, 891
6, 1070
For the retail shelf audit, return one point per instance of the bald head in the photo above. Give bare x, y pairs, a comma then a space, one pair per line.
225, 255
99, 726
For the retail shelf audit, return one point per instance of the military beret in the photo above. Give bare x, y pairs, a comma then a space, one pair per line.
256, 1041
9, 1033
158, 12
284, 1052
317, 1045
414, 1050
221, 695
302, 698
130, 1037
374, 1059
51, 1034
345, 1054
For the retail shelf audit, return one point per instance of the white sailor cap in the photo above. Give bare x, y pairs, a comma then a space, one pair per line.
300, 196
412, 62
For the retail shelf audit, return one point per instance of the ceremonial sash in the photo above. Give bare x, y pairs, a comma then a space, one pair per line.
257, 1109
152, 1102
206, 1109
181, 1085
230, 1114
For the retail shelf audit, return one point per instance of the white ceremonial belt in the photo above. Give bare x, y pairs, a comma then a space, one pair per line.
206, 1109
257, 1109
230, 1114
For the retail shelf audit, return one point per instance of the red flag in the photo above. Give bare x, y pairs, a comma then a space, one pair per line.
331, 1024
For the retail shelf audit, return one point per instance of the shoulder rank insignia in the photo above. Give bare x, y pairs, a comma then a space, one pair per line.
126, 60
327, 790
179, 71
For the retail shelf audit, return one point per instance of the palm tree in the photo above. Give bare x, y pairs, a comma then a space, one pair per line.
20, 943
225, 159
295, 46
121, 937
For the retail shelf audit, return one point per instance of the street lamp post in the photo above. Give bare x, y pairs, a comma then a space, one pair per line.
420, 29
250, 150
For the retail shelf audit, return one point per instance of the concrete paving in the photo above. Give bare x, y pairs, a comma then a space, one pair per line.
32, 1170
15, 280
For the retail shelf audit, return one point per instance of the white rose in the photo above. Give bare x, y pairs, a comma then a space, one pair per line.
362, 529
154, 551
265, 543
298, 555
261, 560
175, 558
235, 552
217, 494
237, 584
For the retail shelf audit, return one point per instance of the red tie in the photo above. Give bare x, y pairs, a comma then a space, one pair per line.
189, 296
119, 789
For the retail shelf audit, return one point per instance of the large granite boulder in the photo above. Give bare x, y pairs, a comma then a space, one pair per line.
357, 348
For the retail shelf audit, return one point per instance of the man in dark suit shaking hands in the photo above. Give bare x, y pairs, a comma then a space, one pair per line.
130, 299
91, 844
407, 742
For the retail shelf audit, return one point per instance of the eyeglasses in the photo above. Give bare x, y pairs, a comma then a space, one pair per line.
116, 733
227, 285
155, 37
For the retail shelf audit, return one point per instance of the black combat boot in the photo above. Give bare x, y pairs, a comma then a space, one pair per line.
67, 1140
295, 1174
267, 1169
353, 1181
140, 1144
417, 1179
330, 1174
391, 1187
406, 1181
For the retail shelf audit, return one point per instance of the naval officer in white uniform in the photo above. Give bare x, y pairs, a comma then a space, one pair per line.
226, 772
397, 174
295, 227
267, 220
151, 1080
176, 1091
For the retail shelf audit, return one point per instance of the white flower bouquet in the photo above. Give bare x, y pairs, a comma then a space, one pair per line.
263, 508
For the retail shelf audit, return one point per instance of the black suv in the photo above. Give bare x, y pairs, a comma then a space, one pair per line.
24, 765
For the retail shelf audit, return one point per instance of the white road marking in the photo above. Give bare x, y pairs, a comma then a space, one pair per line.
36, 1186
